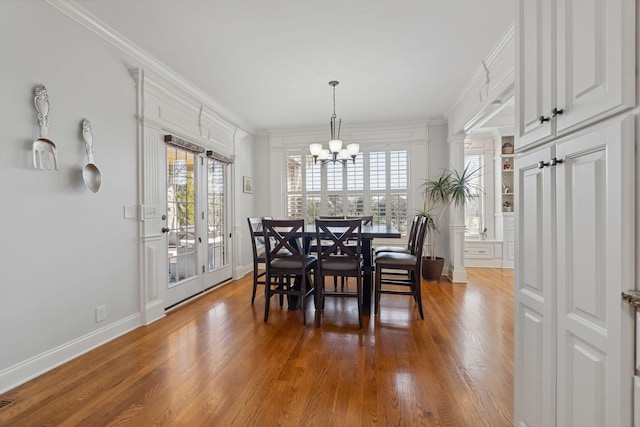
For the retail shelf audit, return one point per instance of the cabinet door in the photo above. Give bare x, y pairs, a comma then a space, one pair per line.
596, 60
595, 255
534, 70
534, 294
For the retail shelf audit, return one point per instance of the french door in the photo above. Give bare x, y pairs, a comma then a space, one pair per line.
197, 233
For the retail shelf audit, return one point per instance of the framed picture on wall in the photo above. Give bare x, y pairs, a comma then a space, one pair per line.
247, 184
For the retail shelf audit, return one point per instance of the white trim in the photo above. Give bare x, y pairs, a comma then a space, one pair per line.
37, 365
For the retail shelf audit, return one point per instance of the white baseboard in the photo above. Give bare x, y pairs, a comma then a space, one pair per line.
154, 311
243, 270
38, 365
457, 276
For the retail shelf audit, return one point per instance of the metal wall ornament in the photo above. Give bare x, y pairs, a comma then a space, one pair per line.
90, 172
45, 154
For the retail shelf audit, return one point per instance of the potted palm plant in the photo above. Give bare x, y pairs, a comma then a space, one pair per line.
450, 188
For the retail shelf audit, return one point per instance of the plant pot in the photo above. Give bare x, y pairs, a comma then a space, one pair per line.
432, 268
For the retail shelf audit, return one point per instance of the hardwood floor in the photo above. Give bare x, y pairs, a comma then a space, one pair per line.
214, 362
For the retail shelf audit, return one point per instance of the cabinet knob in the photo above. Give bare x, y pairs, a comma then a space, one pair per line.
542, 164
543, 119
165, 229
557, 112
555, 161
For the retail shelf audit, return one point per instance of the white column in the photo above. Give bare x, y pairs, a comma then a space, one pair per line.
456, 271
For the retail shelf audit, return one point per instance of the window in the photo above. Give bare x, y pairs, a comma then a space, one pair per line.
474, 212
376, 184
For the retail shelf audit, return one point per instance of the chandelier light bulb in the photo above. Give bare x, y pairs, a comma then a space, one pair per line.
335, 145
315, 149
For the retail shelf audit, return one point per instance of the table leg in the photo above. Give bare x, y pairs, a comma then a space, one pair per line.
367, 282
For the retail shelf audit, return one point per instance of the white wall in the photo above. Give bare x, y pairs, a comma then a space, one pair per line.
66, 250
245, 202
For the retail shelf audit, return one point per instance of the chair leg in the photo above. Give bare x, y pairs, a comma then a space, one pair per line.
303, 289
359, 299
255, 284
377, 286
267, 297
317, 301
418, 294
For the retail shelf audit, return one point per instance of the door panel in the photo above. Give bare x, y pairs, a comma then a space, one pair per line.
534, 293
594, 212
217, 266
184, 278
534, 69
595, 72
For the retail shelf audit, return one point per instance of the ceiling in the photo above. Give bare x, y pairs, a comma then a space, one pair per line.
269, 62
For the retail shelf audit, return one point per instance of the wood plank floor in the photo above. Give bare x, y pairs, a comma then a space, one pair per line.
213, 362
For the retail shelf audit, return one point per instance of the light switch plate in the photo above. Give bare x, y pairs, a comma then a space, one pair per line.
129, 212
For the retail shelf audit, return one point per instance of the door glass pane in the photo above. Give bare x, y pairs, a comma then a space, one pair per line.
181, 207
216, 214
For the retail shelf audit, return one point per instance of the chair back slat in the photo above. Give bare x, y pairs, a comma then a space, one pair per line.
419, 238
336, 236
284, 238
257, 242
366, 220
413, 231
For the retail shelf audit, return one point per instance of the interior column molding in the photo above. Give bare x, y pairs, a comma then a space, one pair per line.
456, 271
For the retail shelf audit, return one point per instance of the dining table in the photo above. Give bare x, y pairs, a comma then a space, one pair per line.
369, 233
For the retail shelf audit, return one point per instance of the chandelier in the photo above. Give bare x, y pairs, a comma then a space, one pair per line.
335, 153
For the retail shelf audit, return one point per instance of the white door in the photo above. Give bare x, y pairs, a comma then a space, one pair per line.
216, 265
596, 60
534, 292
183, 230
197, 230
595, 255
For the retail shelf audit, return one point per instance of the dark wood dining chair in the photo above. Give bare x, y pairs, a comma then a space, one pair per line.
338, 257
288, 265
257, 244
407, 264
410, 243
366, 219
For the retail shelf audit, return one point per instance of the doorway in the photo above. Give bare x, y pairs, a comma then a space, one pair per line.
197, 235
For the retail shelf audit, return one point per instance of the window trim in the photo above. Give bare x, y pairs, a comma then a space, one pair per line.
366, 192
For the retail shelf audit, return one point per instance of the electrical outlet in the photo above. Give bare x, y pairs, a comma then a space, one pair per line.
101, 313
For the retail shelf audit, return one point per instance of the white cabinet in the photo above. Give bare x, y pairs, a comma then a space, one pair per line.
535, 292
535, 26
574, 257
595, 263
575, 64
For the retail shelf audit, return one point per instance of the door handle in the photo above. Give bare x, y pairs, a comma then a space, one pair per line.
165, 229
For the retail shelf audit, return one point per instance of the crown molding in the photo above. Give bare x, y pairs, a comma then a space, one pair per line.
497, 54
166, 74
